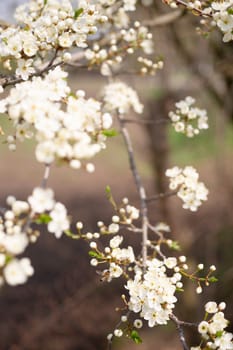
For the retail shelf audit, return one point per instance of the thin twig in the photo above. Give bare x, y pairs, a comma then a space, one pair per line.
46, 176
146, 121
199, 11
109, 346
180, 330
184, 323
161, 195
2, 210
139, 186
13, 80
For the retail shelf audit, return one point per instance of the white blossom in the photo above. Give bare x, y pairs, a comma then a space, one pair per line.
223, 18
59, 222
16, 243
213, 330
211, 307
187, 119
115, 270
120, 97
41, 199
115, 242
17, 271
70, 132
43, 27
189, 189
153, 295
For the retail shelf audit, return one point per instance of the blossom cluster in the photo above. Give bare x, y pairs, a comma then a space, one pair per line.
16, 232
14, 239
187, 119
223, 17
115, 256
44, 26
42, 201
217, 13
189, 188
121, 43
148, 66
119, 97
117, 15
212, 330
126, 215
152, 294
127, 5
67, 127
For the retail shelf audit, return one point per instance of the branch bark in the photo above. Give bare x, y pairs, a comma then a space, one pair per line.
140, 188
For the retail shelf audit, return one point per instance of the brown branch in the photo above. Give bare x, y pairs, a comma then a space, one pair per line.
197, 68
2, 210
146, 121
199, 11
180, 330
139, 186
161, 195
13, 80
46, 175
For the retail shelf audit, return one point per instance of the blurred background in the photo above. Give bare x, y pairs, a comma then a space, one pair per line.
64, 306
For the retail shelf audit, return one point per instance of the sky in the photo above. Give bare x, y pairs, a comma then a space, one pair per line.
7, 8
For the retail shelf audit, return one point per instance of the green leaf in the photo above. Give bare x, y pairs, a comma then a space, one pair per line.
110, 197
110, 133
78, 12
175, 245
219, 334
212, 279
135, 337
179, 290
94, 254
45, 2
108, 190
72, 94
230, 11
8, 259
43, 219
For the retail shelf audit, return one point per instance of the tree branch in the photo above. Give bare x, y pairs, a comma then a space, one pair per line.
180, 330
187, 6
161, 195
46, 175
139, 186
146, 121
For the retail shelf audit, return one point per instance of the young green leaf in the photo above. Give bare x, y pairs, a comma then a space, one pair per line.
110, 133
8, 258
135, 337
213, 279
108, 190
110, 197
94, 254
175, 245
43, 219
78, 12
